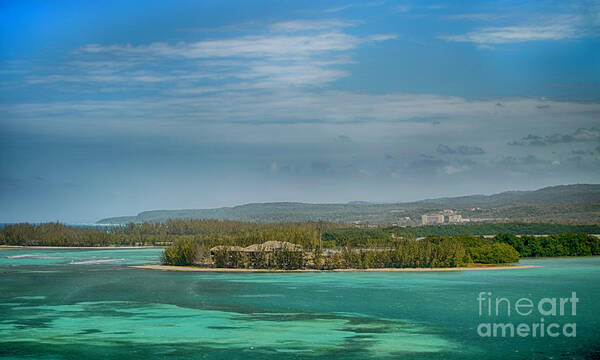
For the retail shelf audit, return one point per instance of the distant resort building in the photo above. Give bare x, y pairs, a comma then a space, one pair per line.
435, 219
446, 217
454, 219
403, 222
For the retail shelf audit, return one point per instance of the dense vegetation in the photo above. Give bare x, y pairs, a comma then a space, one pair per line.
488, 251
494, 229
216, 232
443, 252
554, 245
323, 245
56, 234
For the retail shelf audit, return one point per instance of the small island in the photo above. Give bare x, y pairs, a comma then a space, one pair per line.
239, 246
283, 255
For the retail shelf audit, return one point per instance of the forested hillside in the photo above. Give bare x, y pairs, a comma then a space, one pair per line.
573, 204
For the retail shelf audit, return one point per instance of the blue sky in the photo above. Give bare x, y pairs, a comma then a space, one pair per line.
112, 108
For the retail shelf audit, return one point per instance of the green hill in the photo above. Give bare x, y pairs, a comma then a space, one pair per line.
565, 204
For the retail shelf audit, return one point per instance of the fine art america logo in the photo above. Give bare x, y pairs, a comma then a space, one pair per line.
544, 314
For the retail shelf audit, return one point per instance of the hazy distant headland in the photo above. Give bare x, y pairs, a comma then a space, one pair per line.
565, 204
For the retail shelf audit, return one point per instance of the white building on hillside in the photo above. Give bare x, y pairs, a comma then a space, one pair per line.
454, 219
435, 219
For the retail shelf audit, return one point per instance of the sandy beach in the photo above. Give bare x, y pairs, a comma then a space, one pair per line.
202, 269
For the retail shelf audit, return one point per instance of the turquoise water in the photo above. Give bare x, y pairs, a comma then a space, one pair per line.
74, 304
20, 257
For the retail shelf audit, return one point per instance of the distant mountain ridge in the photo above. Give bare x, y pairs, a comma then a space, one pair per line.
544, 196
548, 204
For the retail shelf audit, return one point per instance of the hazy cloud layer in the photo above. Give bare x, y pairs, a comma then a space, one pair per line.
460, 150
579, 135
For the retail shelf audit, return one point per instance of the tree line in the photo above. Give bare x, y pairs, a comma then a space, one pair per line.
514, 228
553, 245
324, 245
332, 234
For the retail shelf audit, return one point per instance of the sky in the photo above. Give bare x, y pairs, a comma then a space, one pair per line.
111, 108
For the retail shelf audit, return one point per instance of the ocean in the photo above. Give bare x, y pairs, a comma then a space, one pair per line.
85, 304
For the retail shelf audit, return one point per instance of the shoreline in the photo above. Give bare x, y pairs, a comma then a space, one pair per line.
226, 270
10, 247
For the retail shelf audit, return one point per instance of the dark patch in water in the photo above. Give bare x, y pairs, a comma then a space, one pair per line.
225, 327
378, 330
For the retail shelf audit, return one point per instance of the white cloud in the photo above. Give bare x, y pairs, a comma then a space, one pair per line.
311, 25
247, 47
271, 75
356, 5
515, 34
270, 46
294, 53
118, 78
382, 37
544, 28
436, 6
473, 16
